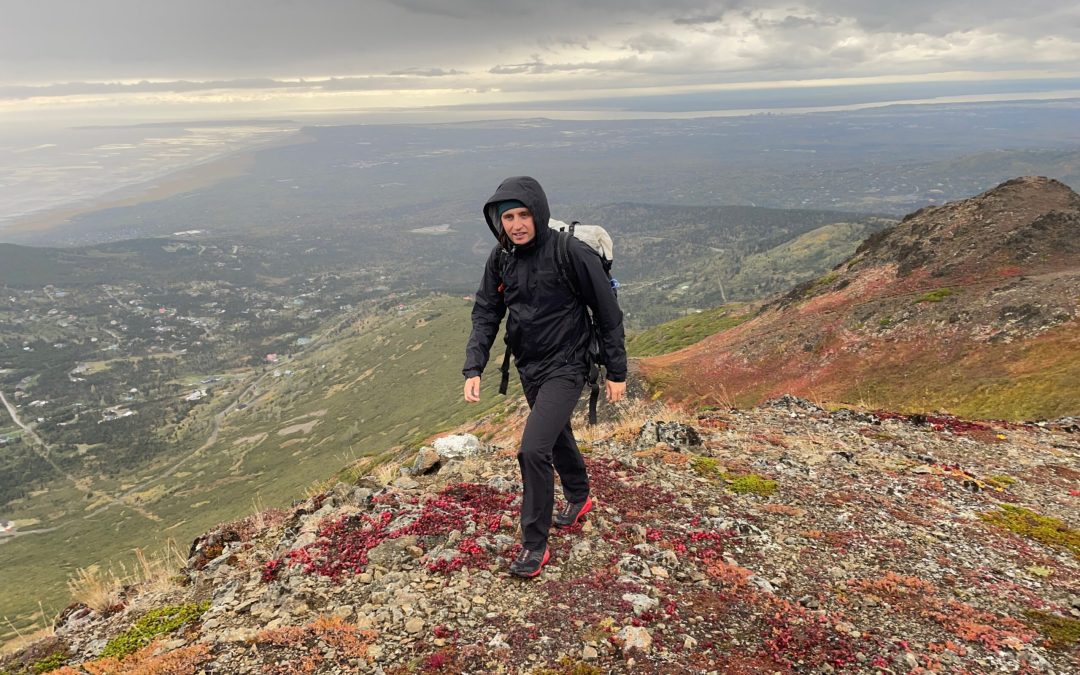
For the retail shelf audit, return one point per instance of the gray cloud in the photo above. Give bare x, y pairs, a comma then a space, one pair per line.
427, 72
57, 48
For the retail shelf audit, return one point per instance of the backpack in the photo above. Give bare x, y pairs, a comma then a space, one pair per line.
598, 239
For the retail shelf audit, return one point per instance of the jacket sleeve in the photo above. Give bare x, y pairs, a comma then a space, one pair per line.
487, 314
597, 293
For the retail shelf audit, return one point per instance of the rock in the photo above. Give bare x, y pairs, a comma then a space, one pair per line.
675, 434
457, 447
580, 550
389, 552
414, 625
589, 653
791, 403
406, 483
305, 539
641, 603
427, 461
635, 637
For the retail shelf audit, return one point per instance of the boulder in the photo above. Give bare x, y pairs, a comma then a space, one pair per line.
675, 434
427, 461
458, 446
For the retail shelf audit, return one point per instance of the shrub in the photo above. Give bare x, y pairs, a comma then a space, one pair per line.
1027, 523
50, 662
936, 295
708, 467
1062, 631
753, 484
156, 622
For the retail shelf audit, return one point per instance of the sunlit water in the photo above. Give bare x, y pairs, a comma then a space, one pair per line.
49, 168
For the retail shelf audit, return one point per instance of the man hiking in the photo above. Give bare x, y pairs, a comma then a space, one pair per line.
549, 333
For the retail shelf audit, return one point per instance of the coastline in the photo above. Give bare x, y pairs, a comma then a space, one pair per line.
188, 179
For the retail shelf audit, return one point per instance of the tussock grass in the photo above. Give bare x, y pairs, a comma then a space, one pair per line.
99, 588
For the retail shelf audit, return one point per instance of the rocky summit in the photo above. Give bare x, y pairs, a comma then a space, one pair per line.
971, 307
783, 538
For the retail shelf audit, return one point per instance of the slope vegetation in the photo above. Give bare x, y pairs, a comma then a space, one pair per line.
971, 307
781, 539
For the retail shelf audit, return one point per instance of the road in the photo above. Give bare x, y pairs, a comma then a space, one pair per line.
42, 450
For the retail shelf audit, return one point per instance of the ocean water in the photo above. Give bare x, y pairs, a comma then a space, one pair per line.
49, 167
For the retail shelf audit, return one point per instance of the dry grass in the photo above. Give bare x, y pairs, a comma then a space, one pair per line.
386, 473
99, 588
631, 415
95, 587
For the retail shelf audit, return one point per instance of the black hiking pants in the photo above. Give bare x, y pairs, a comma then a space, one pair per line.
548, 445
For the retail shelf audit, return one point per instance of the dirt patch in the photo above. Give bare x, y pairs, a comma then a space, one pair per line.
254, 440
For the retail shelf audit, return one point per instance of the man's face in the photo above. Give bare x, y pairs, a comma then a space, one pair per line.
518, 225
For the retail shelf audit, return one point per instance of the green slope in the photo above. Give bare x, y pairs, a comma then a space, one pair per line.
392, 379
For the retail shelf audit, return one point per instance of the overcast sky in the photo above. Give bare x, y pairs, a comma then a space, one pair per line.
284, 56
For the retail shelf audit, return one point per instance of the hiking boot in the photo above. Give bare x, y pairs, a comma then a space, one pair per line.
571, 513
529, 563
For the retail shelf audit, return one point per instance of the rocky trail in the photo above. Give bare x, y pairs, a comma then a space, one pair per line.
785, 538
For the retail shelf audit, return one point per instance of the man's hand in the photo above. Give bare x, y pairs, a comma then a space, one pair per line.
615, 390
472, 389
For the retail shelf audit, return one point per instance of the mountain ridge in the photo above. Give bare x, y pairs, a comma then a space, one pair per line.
961, 307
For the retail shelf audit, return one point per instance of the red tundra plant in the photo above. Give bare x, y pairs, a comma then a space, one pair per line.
343, 544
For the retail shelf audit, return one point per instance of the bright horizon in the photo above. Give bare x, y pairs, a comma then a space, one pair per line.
71, 62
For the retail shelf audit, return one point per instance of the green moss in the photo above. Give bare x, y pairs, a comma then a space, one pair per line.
936, 295
1062, 631
1027, 523
567, 666
49, 663
1000, 481
708, 467
152, 624
753, 484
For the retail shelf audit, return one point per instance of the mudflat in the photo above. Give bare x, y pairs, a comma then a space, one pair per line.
189, 179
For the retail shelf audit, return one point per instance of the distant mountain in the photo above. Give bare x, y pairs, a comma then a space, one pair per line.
969, 307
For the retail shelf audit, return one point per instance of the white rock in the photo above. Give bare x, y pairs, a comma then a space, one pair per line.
640, 602
458, 446
636, 637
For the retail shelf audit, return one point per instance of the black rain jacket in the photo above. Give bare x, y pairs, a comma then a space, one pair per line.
548, 328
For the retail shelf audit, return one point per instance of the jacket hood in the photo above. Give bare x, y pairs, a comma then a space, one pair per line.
526, 190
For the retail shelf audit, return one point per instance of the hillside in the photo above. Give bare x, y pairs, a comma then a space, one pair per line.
368, 382
779, 539
971, 307
140, 357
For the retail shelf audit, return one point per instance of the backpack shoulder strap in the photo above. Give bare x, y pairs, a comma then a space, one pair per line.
562, 260
504, 369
